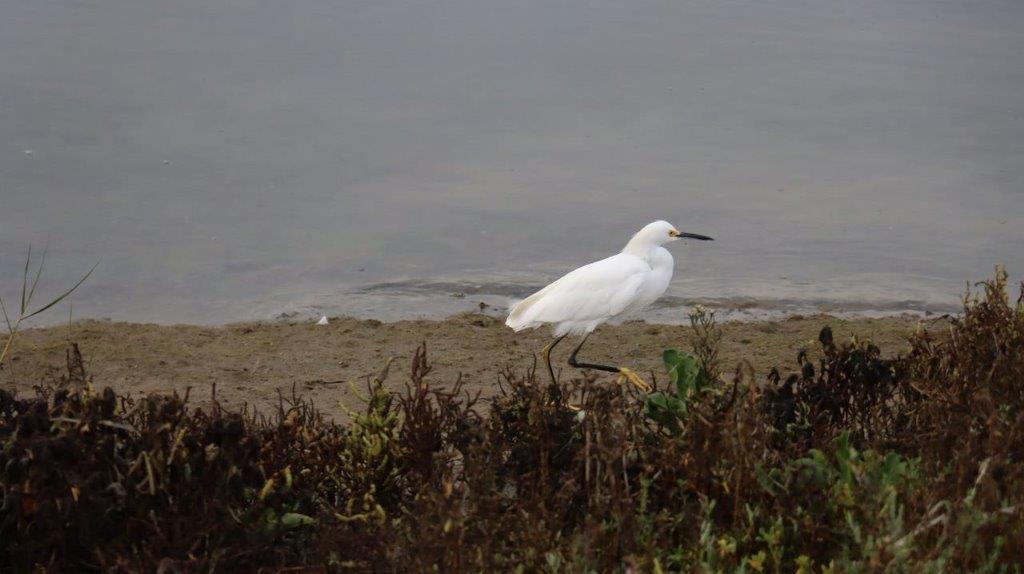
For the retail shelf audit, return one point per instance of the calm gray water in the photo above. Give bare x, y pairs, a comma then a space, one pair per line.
238, 159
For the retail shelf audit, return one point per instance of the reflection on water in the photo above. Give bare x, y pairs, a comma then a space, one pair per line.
230, 160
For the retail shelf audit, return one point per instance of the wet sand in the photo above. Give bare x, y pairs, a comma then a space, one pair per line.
249, 362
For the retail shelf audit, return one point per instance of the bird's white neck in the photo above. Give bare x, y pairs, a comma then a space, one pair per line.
640, 246
654, 255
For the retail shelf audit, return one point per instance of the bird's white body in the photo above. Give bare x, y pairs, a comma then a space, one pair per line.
622, 284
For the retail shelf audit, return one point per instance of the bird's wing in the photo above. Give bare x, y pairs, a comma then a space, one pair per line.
599, 290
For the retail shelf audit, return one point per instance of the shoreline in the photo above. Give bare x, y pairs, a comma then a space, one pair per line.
439, 298
250, 362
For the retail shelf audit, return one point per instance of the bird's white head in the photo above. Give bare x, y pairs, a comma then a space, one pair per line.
658, 233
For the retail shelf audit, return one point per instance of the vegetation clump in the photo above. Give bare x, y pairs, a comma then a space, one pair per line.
856, 462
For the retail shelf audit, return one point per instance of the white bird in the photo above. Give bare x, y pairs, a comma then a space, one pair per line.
584, 298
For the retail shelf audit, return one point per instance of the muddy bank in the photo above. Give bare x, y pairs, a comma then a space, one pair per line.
249, 362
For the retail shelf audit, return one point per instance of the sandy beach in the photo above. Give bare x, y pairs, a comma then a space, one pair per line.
250, 362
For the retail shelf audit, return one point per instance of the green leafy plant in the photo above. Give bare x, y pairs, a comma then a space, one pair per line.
688, 382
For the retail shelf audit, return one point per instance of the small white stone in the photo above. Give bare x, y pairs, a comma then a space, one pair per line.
322, 321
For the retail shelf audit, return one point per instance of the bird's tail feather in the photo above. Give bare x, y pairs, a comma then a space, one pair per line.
519, 317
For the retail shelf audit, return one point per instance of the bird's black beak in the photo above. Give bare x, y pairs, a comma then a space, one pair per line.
694, 236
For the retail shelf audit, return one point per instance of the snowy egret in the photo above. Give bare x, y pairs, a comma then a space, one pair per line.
584, 298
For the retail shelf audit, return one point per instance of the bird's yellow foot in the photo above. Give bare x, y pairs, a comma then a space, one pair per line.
634, 379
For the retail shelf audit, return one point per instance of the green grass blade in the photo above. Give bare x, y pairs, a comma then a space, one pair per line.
7, 319
24, 279
63, 295
39, 273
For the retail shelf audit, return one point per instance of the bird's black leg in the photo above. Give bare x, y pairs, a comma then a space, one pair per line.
579, 364
547, 357
626, 373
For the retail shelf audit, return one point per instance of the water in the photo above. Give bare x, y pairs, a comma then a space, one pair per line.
238, 159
